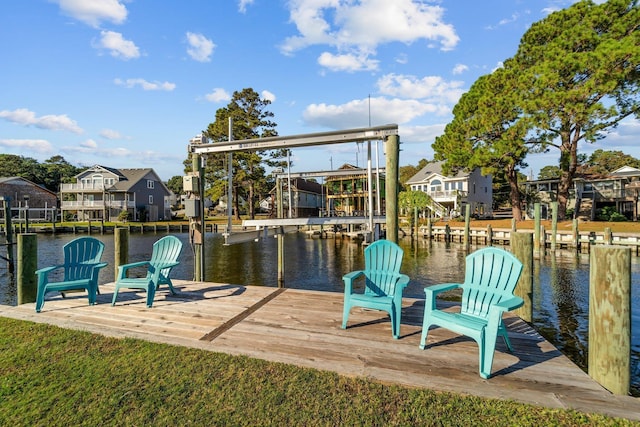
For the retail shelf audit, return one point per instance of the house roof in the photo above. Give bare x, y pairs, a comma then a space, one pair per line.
127, 178
8, 179
434, 168
626, 171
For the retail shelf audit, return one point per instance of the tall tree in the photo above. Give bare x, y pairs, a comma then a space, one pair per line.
405, 173
579, 72
57, 170
251, 119
487, 132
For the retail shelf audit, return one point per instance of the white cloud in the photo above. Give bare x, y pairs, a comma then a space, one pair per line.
117, 45
200, 47
110, 134
37, 145
145, 85
432, 88
218, 95
347, 62
355, 113
269, 96
26, 117
361, 26
93, 12
460, 68
242, 5
89, 143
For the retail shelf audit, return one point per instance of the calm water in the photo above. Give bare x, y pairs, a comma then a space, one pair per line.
561, 281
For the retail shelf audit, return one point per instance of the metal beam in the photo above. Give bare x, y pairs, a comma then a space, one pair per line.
304, 140
328, 173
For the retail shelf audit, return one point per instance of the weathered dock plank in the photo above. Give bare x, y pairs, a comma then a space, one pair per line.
304, 328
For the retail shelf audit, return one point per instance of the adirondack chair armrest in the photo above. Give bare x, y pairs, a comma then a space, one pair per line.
349, 278
47, 270
431, 292
122, 269
510, 304
403, 281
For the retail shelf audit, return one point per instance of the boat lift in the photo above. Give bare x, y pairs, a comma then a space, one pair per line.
387, 133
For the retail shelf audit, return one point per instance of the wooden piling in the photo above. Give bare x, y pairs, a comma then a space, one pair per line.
608, 236
575, 234
489, 238
554, 226
610, 317
522, 246
536, 230
467, 226
120, 248
27, 266
392, 145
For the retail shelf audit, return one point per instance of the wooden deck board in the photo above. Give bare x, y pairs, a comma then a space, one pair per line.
304, 328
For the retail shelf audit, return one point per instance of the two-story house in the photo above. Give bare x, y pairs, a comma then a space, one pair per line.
619, 190
348, 193
25, 198
451, 194
308, 198
103, 193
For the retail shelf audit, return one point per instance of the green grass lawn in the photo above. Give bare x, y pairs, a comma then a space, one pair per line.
53, 376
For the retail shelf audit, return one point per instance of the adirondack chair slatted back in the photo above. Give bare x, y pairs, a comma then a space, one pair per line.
382, 264
491, 275
80, 257
165, 251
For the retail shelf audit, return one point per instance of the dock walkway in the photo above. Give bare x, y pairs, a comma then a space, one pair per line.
304, 328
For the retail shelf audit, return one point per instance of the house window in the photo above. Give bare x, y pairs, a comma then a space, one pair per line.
436, 185
150, 199
150, 184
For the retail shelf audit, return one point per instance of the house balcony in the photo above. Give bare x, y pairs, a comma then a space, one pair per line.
78, 188
96, 204
447, 196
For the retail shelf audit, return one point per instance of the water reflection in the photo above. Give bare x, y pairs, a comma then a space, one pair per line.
561, 279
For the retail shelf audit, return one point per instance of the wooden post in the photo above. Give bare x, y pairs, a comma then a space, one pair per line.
429, 229
513, 224
554, 225
489, 241
27, 266
415, 223
121, 248
280, 214
536, 230
575, 235
543, 240
8, 230
610, 317
608, 236
522, 244
392, 145
447, 233
467, 225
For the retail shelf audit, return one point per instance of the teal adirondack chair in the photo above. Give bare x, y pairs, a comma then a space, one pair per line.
81, 269
383, 283
491, 276
163, 258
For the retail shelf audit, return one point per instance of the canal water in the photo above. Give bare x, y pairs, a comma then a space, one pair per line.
561, 280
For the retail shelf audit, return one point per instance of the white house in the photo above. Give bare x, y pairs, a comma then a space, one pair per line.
450, 194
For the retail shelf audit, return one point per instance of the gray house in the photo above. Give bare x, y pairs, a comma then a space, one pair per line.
103, 193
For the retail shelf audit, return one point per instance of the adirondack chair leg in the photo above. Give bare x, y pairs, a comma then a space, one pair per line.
395, 321
487, 350
502, 331
115, 296
151, 293
345, 313
425, 332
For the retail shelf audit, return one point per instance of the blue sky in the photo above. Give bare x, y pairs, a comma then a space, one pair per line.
127, 83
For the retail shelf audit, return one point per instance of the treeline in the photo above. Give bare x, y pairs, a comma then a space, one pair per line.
49, 174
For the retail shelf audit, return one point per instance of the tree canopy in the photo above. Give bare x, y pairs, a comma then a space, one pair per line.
48, 174
250, 119
573, 78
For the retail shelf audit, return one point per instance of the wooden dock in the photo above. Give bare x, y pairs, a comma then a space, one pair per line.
304, 328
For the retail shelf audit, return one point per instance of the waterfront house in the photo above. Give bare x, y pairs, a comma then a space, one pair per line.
348, 193
103, 193
27, 198
590, 194
451, 194
308, 198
